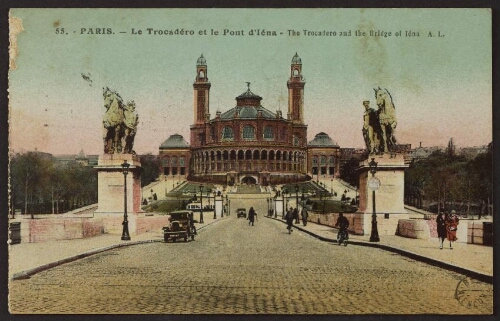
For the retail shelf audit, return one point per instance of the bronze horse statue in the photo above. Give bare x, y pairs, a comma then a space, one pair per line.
387, 118
119, 122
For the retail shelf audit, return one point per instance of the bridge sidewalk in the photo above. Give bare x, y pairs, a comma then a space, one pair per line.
470, 259
26, 258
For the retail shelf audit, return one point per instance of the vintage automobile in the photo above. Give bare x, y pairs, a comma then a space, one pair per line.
181, 226
241, 212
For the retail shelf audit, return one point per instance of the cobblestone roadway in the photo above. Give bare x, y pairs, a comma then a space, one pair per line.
235, 268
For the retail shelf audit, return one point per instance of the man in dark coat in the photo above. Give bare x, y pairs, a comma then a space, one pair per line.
296, 215
289, 220
304, 215
441, 228
251, 216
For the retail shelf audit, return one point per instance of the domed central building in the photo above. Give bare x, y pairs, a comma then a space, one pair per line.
247, 143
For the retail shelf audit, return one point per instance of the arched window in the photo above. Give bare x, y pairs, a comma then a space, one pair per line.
202, 74
248, 132
295, 72
268, 132
174, 161
182, 161
227, 133
331, 160
323, 160
165, 161
296, 140
315, 160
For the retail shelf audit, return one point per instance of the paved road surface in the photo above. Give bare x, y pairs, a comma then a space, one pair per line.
232, 267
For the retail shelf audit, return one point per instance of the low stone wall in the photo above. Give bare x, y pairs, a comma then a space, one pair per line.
52, 229
415, 229
329, 219
63, 228
477, 235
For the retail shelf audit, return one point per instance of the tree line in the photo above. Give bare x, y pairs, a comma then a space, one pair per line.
444, 181
39, 184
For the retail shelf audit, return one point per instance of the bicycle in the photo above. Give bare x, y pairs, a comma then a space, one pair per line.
342, 237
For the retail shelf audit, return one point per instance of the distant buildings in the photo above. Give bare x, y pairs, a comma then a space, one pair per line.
86, 160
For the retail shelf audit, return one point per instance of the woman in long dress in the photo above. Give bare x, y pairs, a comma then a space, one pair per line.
451, 227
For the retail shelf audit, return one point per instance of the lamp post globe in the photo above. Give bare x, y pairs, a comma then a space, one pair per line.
125, 233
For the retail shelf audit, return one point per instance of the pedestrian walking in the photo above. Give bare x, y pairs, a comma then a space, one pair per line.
296, 215
441, 228
451, 227
304, 215
251, 216
289, 220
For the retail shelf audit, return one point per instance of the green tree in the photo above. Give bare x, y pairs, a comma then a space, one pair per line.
348, 172
150, 169
29, 175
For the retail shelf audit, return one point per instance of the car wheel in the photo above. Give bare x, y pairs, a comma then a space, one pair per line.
165, 238
174, 240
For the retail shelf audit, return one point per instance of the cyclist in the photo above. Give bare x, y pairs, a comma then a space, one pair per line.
343, 224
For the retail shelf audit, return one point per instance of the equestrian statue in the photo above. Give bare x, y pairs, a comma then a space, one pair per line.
120, 124
379, 125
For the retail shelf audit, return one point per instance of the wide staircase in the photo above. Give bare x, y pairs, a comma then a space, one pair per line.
248, 189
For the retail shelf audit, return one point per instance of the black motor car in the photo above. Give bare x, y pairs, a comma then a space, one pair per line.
180, 226
241, 212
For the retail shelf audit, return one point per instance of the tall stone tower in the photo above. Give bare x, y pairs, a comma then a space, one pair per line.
295, 86
201, 106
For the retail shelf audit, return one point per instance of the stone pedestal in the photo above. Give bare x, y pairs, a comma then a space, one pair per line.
111, 192
389, 197
279, 207
218, 206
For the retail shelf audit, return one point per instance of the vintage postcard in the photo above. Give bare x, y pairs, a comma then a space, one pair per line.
250, 161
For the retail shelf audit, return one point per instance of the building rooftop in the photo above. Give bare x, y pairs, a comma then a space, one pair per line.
322, 140
201, 61
296, 60
247, 112
175, 141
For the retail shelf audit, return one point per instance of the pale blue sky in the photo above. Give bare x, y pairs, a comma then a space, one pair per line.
441, 86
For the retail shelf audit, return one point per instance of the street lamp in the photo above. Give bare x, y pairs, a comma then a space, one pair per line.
227, 206
201, 203
215, 213
297, 221
125, 234
374, 234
